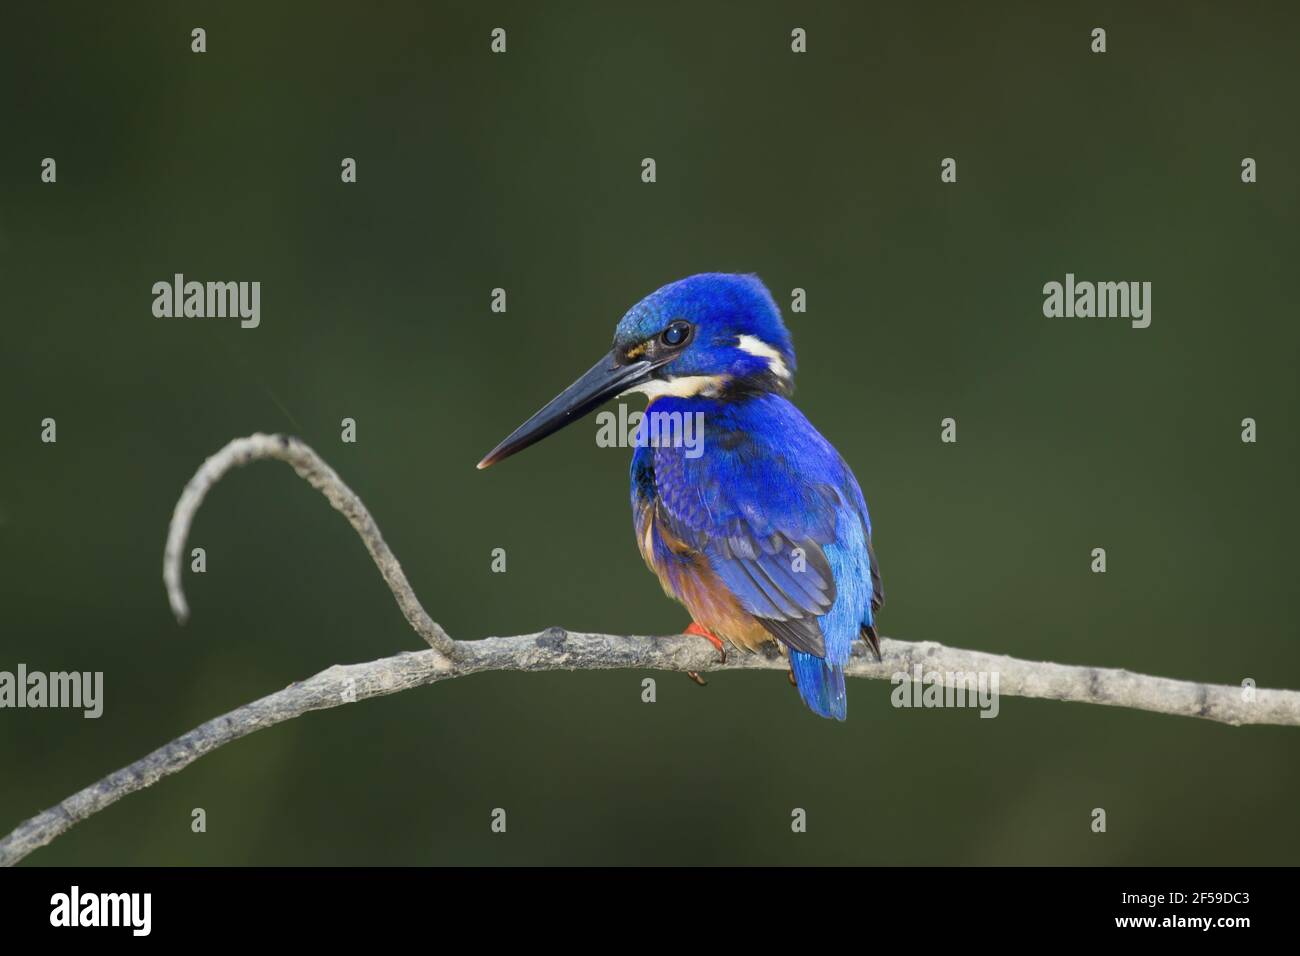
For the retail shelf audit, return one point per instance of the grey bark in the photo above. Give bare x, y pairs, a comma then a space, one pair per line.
558, 649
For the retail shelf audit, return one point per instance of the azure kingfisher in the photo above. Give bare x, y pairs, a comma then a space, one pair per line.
762, 532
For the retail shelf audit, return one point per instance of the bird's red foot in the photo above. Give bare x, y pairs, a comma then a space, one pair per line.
699, 630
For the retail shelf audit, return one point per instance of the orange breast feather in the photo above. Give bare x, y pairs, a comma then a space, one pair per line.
686, 577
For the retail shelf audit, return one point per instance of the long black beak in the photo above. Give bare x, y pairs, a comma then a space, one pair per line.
603, 381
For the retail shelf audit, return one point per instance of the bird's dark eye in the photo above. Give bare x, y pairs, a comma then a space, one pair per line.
676, 333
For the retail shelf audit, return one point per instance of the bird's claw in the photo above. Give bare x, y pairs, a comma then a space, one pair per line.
698, 630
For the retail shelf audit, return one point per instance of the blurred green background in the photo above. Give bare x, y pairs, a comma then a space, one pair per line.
522, 171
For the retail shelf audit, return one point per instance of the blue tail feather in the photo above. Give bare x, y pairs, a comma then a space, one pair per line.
821, 685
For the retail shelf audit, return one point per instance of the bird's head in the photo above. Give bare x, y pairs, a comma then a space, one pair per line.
709, 334
715, 335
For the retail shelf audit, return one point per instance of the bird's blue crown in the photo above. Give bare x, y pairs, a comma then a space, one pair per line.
735, 336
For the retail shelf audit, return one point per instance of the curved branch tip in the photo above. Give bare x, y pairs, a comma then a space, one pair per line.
559, 649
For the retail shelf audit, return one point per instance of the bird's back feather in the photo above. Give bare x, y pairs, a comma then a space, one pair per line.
767, 527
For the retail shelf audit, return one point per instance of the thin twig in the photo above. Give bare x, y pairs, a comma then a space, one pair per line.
320, 476
558, 649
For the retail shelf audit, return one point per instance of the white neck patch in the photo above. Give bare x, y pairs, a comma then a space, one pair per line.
756, 346
686, 386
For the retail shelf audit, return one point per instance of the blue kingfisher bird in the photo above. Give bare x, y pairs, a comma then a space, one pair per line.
761, 531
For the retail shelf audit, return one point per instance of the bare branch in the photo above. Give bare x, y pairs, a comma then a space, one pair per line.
320, 476
558, 649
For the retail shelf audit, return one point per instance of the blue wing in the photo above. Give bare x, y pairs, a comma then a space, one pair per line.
782, 522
